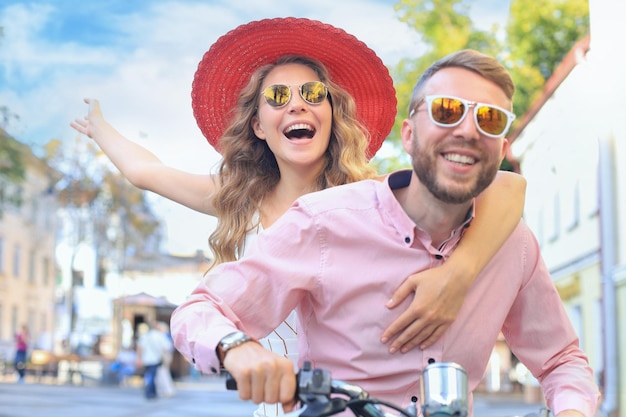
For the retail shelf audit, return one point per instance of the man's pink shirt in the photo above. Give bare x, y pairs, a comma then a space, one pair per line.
338, 255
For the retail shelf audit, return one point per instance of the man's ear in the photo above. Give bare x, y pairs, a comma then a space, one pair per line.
505, 149
257, 128
406, 134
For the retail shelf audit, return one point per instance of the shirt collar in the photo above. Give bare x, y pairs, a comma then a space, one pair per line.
399, 179
402, 178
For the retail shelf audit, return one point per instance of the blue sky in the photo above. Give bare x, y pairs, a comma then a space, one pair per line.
138, 57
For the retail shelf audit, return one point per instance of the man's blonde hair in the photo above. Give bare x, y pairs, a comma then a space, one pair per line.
484, 65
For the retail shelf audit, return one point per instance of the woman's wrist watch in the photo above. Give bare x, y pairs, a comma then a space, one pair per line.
229, 342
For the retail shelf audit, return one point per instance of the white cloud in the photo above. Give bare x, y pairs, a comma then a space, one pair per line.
22, 25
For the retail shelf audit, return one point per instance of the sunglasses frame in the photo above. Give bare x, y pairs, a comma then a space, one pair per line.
467, 103
291, 93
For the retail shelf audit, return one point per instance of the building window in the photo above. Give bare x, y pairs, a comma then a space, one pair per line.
78, 278
572, 213
31, 267
45, 271
48, 216
101, 276
14, 320
34, 211
589, 188
555, 221
16, 261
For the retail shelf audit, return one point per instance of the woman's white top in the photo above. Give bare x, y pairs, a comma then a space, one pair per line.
282, 341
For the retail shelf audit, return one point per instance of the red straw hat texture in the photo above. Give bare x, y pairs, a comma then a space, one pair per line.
226, 67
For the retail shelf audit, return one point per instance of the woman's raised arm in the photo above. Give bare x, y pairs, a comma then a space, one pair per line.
143, 169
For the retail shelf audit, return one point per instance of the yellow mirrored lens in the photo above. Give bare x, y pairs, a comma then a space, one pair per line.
313, 92
277, 95
447, 110
491, 120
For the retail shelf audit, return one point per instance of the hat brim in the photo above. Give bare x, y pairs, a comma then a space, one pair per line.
227, 66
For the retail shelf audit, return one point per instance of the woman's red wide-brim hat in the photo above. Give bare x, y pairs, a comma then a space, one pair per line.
227, 66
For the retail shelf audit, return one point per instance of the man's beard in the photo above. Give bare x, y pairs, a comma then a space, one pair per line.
424, 165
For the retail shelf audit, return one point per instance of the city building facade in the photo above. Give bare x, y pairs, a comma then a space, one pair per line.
28, 271
571, 147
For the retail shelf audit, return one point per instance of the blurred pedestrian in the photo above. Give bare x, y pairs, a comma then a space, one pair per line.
21, 349
152, 346
164, 382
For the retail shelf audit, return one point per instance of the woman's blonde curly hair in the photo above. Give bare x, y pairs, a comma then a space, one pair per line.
249, 171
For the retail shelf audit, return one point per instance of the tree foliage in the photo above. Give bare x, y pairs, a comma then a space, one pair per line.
537, 39
12, 171
141, 227
11, 158
119, 213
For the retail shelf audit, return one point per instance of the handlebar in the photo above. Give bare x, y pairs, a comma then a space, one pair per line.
444, 393
314, 392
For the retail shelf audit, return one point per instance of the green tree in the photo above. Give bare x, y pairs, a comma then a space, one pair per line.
12, 170
139, 224
118, 213
538, 38
11, 158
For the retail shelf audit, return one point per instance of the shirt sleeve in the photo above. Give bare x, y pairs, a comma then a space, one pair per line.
254, 294
546, 342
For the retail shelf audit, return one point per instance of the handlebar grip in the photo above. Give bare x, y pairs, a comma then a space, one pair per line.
231, 384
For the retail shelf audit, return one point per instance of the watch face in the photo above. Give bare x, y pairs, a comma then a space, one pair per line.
231, 341
234, 339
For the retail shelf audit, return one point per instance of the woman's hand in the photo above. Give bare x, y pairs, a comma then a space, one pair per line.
85, 126
440, 291
437, 299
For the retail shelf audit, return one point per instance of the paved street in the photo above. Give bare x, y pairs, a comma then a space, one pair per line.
204, 398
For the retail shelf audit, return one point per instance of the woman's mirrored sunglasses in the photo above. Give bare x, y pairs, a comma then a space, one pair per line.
278, 95
449, 111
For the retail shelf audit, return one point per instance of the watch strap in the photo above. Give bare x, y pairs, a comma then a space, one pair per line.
231, 341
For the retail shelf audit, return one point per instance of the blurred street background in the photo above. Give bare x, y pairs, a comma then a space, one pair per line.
202, 397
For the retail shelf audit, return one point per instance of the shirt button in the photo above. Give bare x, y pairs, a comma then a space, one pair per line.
213, 370
193, 360
431, 360
439, 256
414, 399
407, 240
